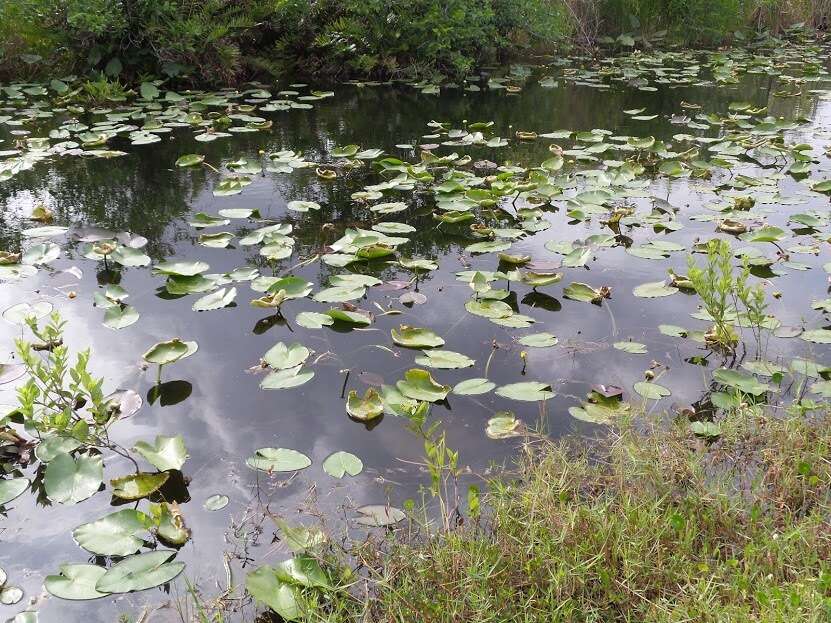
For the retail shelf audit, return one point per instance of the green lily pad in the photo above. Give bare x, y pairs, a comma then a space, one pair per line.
137, 486
377, 515
530, 391
76, 582
738, 380
654, 289
282, 597
216, 502
364, 409
215, 300
12, 488
338, 464
140, 572
287, 378
445, 360
164, 353
473, 387
420, 385
71, 480
113, 535
633, 348
539, 340
278, 460
652, 391
165, 454
413, 337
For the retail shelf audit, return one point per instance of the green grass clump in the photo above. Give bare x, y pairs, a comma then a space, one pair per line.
652, 527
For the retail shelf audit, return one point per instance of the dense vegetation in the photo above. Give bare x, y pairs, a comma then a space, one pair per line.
219, 41
655, 527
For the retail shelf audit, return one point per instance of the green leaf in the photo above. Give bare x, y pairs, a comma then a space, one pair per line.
166, 453
12, 488
582, 292
530, 391
817, 336
651, 391
215, 300
113, 535
654, 289
216, 502
633, 348
338, 464
288, 378
489, 308
302, 570
364, 409
266, 587
303, 206
420, 385
76, 582
281, 357
444, 359
190, 160
52, 446
181, 268
743, 382
140, 572
299, 538
137, 486
376, 515
473, 387
68, 480
313, 320
164, 353
504, 426
539, 340
278, 460
120, 316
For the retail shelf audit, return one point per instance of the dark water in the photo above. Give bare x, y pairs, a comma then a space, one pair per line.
215, 402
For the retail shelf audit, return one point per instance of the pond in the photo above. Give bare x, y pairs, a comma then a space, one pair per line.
607, 174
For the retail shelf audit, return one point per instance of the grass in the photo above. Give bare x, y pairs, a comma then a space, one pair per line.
647, 524
654, 526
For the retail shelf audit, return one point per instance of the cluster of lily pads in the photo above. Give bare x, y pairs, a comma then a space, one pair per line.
601, 180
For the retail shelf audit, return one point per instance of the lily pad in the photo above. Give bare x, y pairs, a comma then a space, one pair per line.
165, 454
71, 480
278, 460
413, 337
76, 582
137, 486
113, 535
473, 387
530, 391
140, 572
420, 385
338, 464
364, 409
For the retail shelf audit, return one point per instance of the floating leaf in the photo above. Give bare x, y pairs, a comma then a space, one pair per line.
278, 460
165, 454
530, 391
504, 426
473, 387
71, 480
264, 585
113, 535
190, 160
539, 340
140, 572
652, 391
379, 516
633, 348
420, 385
654, 289
338, 464
413, 337
364, 409
287, 378
12, 488
444, 359
137, 486
215, 300
76, 582
164, 353
216, 502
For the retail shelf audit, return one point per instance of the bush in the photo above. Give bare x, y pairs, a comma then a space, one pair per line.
219, 41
